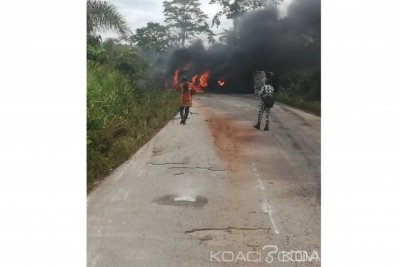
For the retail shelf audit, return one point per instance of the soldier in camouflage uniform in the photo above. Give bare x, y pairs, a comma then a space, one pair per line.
266, 94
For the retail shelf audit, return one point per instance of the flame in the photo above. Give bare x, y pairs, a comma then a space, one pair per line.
195, 83
221, 82
198, 81
194, 79
175, 78
204, 78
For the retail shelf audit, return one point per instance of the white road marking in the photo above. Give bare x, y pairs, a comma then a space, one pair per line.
268, 210
260, 183
265, 206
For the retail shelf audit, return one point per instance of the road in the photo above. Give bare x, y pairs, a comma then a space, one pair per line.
215, 192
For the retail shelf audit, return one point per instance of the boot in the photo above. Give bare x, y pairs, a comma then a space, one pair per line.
185, 116
257, 126
181, 113
266, 127
184, 120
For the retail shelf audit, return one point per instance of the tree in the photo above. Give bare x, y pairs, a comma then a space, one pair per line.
236, 8
101, 16
186, 17
154, 38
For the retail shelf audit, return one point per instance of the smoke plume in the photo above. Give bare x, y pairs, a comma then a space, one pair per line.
266, 42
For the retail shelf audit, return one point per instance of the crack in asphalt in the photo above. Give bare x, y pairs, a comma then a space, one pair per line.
201, 168
167, 163
227, 229
187, 167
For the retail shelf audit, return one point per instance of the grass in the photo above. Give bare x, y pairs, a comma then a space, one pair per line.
298, 102
120, 119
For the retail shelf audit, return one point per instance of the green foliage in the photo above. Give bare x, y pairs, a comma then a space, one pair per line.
302, 91
96, 53
236, 8
122, 57
120, 118
307, 86
187, 17
124, 107
296, 101
154, 38
126, 59
100, 16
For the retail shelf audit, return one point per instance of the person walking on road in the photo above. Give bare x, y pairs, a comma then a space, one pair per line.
266, 94
186, 99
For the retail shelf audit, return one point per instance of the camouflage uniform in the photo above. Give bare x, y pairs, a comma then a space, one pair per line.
266, 90
262, 89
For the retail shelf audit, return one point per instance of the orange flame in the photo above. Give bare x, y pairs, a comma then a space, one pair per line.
194, 79
221, 82
198, 81
195, 83
175, 78
204, 78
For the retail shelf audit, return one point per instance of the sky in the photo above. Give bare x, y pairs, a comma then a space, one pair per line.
139, 12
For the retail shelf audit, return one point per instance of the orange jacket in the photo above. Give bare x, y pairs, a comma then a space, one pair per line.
186, 97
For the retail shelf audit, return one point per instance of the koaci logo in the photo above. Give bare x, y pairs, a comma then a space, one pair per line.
269, 254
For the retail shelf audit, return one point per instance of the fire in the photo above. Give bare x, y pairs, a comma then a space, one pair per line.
198, 81
195, 83
204, 78
221, 82
175, 78
194, 79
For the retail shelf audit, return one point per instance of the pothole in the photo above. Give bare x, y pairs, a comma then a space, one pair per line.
252, 237
175, 200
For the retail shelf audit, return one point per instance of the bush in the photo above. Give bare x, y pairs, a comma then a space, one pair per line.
297, 101
120, 118
302, 91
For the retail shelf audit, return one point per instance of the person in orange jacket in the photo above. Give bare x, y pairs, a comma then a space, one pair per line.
186, 99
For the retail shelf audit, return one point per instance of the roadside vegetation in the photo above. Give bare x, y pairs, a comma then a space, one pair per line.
302, 91
125, 107
121, 117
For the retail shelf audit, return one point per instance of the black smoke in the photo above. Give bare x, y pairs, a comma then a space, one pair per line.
266, 42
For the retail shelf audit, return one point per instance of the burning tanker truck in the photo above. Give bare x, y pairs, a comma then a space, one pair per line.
206, 80
199, 80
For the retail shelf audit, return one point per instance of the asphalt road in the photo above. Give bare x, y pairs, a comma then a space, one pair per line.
215, 192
